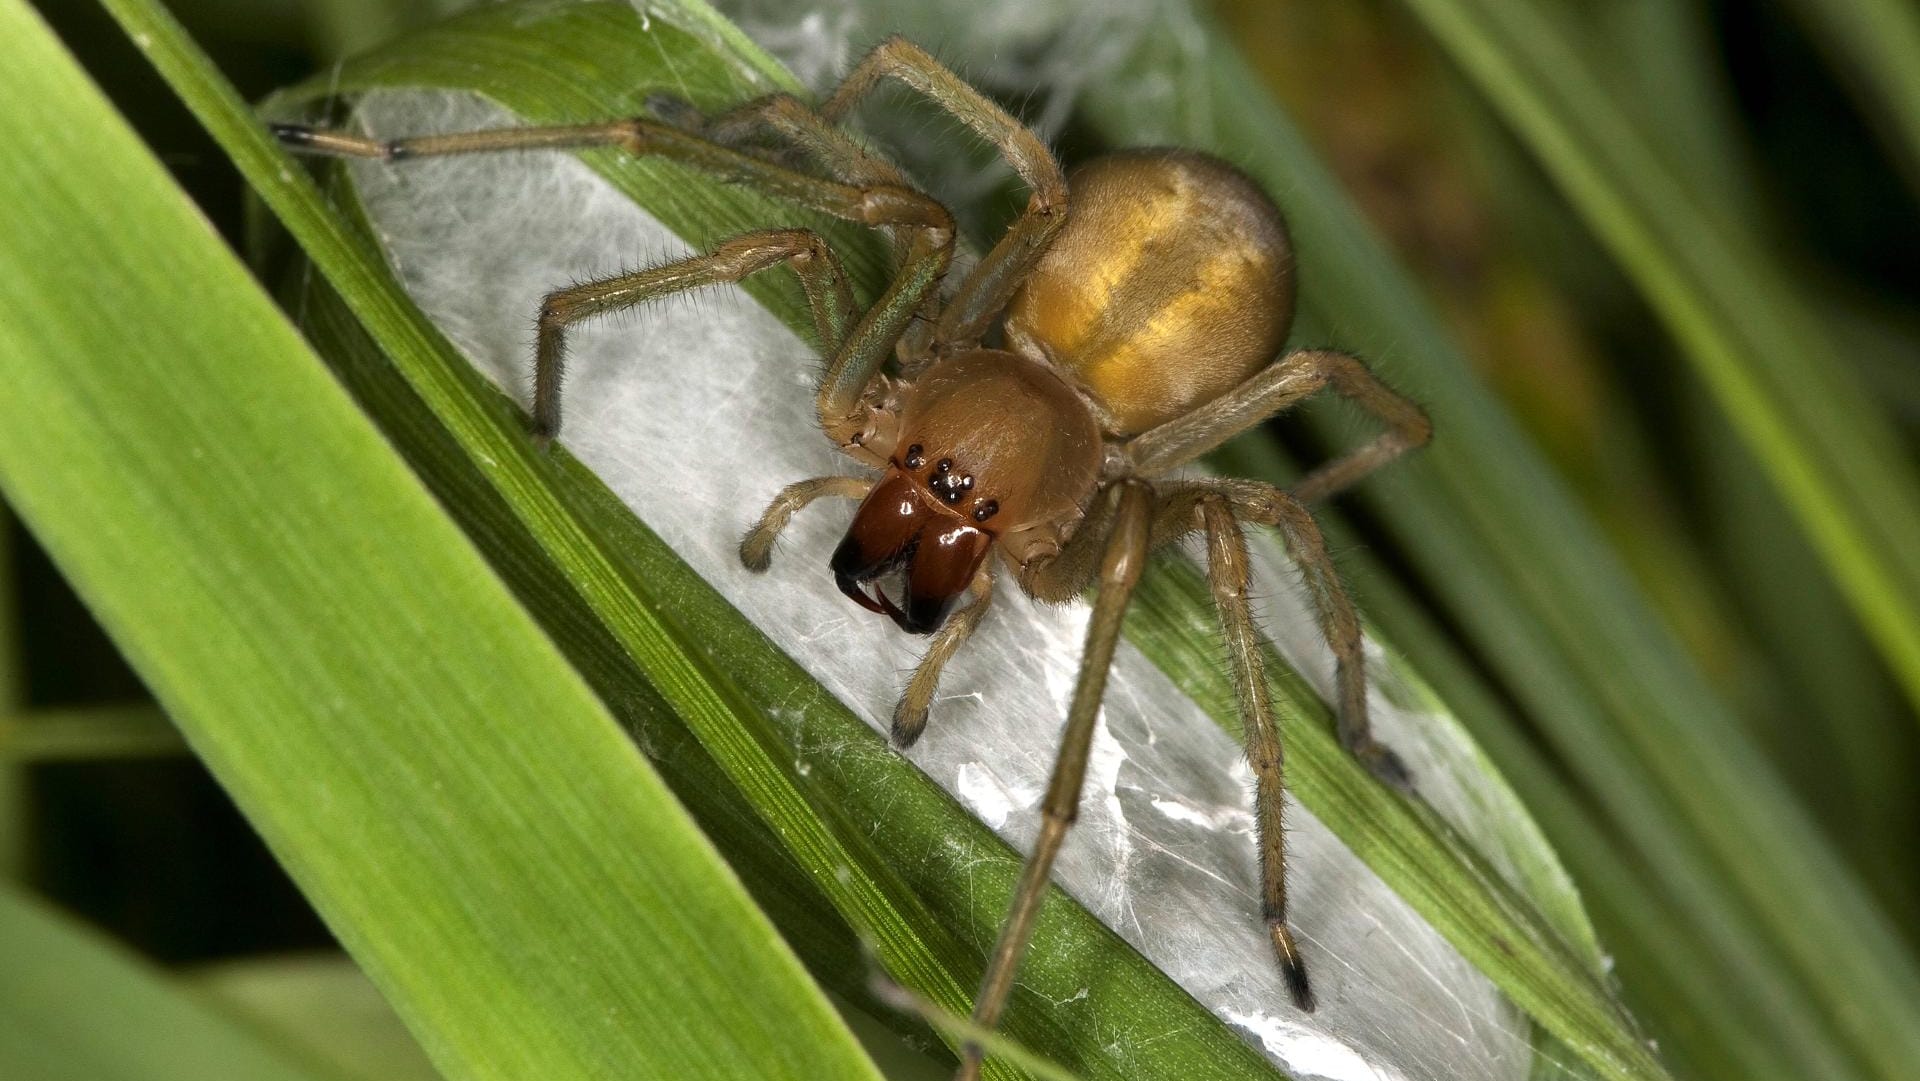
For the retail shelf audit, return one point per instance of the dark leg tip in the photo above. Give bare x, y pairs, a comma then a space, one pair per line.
677, 111
1385, 766
1298, 987
292, 134
754, 559
1292, 968
907, 725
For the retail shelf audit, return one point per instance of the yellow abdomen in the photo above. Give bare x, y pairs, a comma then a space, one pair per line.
1170, 284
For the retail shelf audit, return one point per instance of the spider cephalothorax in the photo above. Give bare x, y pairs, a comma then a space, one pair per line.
958, 481
1135, 332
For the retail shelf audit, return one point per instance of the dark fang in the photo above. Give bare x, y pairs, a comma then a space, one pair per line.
898, 529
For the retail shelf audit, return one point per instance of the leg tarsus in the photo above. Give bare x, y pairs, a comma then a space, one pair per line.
908, 724
1292, 968
1380, 760
910, 714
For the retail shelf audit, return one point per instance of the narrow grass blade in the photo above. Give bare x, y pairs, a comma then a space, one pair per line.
1875, 45
13, 777
446, 790
1824, 440
320, 1004
87, 733
1800, 408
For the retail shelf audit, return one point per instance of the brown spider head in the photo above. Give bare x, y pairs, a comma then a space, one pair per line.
903, 528
992, 449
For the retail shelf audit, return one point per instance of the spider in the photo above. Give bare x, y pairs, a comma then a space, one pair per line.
1129, 321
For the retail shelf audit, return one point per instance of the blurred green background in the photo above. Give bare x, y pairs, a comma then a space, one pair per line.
1778, 110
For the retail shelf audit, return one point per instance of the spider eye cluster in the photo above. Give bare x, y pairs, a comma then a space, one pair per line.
947, 483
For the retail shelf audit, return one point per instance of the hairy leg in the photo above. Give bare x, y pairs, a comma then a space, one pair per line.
805, 251
868, 204
1269, 505
1279, 385
795, 128
1062, 574
1120, 568
800, 126
1227, 574
862, 349
993, 280
1177, 514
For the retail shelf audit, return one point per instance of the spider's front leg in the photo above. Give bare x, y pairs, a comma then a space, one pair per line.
812, 260
816, 133
858, 347
1127, 505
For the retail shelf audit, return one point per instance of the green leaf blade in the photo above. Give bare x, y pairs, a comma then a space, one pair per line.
445, 788
75, 1008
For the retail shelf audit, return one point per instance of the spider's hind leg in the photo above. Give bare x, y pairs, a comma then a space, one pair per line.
1227, 574
1332, 608
1276, 387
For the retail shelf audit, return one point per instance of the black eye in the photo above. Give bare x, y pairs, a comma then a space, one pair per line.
944, 465
986, 510
916, 456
